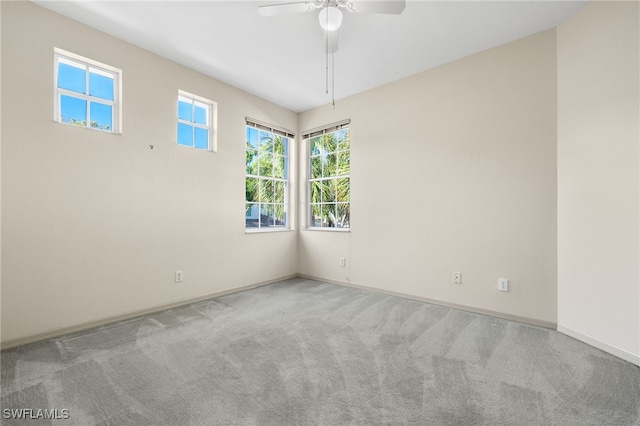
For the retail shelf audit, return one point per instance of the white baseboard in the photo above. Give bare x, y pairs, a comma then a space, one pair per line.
473, 309
50, 334
604, 346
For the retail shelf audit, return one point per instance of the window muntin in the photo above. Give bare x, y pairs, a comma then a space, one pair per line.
87, 92
329, 185
267, 180
195, 122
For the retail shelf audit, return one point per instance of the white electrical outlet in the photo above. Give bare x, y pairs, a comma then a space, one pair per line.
179, 276
457, 277
343, 262
503, 284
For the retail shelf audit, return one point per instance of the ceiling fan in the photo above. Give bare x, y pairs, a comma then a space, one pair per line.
393, 7
330, 18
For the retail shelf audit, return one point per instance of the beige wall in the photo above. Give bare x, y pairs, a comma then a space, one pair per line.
599, 176
453, 169
95, 224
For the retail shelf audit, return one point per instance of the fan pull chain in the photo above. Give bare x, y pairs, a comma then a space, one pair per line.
326, 62
333, 79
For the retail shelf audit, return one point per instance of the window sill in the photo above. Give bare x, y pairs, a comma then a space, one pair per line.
328, 229
266, 230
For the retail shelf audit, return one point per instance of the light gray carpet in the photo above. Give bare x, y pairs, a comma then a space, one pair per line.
308, 353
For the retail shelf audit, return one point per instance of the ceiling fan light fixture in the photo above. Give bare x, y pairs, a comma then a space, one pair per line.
330, 18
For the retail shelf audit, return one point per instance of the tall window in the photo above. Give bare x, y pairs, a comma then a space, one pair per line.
87, 92
267, 177
329, 183
196, 118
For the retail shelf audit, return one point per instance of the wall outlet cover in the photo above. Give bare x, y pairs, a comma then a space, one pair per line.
503, 284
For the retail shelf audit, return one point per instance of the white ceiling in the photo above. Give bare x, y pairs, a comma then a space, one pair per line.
282, 58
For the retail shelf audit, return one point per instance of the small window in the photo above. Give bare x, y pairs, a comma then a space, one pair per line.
196, 117
87, 92
267, 177
329, 185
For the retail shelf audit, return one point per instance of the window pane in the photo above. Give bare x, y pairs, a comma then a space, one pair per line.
318, 145
324, 144
252, 137
266, 164
343, 215
343, 139
314, 148
251, 190
201, 138
330, 143
184, 110
316, 191
328, 190
342, 189
252, 212
266, 215
101, 116
344, 160
330, 165
280, 145
279, 192
266, 141
279, 166
73, 110
316, 168
316, 215
101, 86
279, 213
328, 215
200, 113
266, 193
185, 134
72, 78
251, 160
286, 167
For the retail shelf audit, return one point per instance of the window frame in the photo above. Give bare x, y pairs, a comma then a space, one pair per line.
212, 119
290, 137
100, 68
308, 137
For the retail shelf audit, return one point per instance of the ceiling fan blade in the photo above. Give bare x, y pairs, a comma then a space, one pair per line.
284, 8
331, 38
391, 7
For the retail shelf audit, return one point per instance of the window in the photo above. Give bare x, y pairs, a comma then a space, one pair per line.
267, 177
87, 92
196, 118
329, 182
